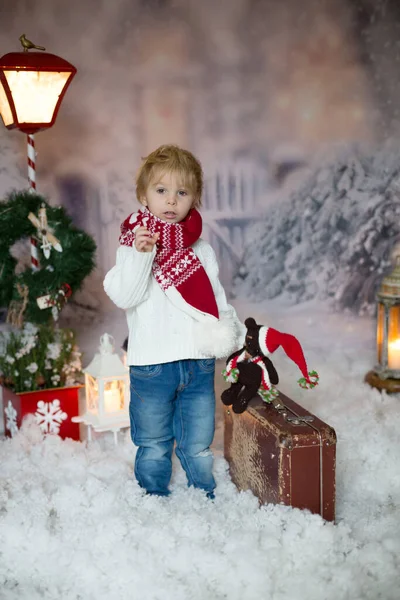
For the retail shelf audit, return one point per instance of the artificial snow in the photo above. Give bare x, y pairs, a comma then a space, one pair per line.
75, 525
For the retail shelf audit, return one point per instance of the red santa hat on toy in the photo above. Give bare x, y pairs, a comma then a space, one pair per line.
270, 339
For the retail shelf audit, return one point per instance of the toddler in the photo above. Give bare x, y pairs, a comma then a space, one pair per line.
179, 321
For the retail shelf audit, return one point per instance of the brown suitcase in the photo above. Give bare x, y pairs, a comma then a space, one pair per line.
283, 454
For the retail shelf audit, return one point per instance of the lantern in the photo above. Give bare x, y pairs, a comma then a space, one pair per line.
386, 374
32, 88
107, 390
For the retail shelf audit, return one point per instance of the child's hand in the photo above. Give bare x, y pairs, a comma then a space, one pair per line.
144, 241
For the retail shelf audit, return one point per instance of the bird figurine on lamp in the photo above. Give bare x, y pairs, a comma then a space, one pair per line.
28, 45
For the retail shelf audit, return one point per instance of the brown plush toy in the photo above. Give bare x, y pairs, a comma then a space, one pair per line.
251, 372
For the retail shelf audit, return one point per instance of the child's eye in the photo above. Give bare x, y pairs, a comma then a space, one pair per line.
160, 190
182, 193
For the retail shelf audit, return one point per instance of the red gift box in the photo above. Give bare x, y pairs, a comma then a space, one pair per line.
53, 410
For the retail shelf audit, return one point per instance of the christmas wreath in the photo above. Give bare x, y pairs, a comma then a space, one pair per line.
65, 256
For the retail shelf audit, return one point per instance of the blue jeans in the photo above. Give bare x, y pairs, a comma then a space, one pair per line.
173, 402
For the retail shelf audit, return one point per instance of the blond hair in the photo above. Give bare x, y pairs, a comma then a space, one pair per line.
171, 158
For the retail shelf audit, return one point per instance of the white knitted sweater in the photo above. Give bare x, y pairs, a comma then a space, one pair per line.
158, 331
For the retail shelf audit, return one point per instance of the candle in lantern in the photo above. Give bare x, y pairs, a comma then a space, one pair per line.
394, 354
112, 400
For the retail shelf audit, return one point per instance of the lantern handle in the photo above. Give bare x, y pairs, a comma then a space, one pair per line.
106, 344
28, 45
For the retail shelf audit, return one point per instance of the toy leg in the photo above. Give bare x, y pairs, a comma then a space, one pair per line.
250, 378
229, 396
243, 399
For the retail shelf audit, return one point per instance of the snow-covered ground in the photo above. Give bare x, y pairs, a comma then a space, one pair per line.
75, 525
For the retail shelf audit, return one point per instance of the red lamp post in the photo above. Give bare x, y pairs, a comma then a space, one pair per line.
32, 86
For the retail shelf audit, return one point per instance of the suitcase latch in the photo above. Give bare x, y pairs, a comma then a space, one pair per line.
299, 420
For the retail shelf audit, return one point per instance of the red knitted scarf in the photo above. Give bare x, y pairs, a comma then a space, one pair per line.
176, 267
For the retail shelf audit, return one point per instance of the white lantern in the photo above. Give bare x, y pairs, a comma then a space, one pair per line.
107, 390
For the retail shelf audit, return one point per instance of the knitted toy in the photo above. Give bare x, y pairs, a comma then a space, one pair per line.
251, 372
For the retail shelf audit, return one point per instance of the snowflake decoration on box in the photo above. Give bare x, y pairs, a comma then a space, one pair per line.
49, 416
11, 420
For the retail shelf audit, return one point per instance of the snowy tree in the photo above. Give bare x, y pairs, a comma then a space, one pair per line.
333, 239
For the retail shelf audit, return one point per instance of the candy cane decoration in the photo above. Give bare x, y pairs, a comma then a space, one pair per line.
31, 163
32, 188
34, 255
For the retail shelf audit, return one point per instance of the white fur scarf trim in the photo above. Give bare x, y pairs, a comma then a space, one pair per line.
217, 339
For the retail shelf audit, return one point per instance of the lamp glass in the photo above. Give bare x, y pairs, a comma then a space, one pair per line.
114, 392
394, 338
5, 110
35, 93
92, 393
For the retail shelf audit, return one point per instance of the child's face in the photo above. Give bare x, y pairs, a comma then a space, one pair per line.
167, 198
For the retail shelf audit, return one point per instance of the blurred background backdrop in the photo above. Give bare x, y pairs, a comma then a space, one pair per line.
292, 107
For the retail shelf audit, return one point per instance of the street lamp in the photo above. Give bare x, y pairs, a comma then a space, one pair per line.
33, 85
